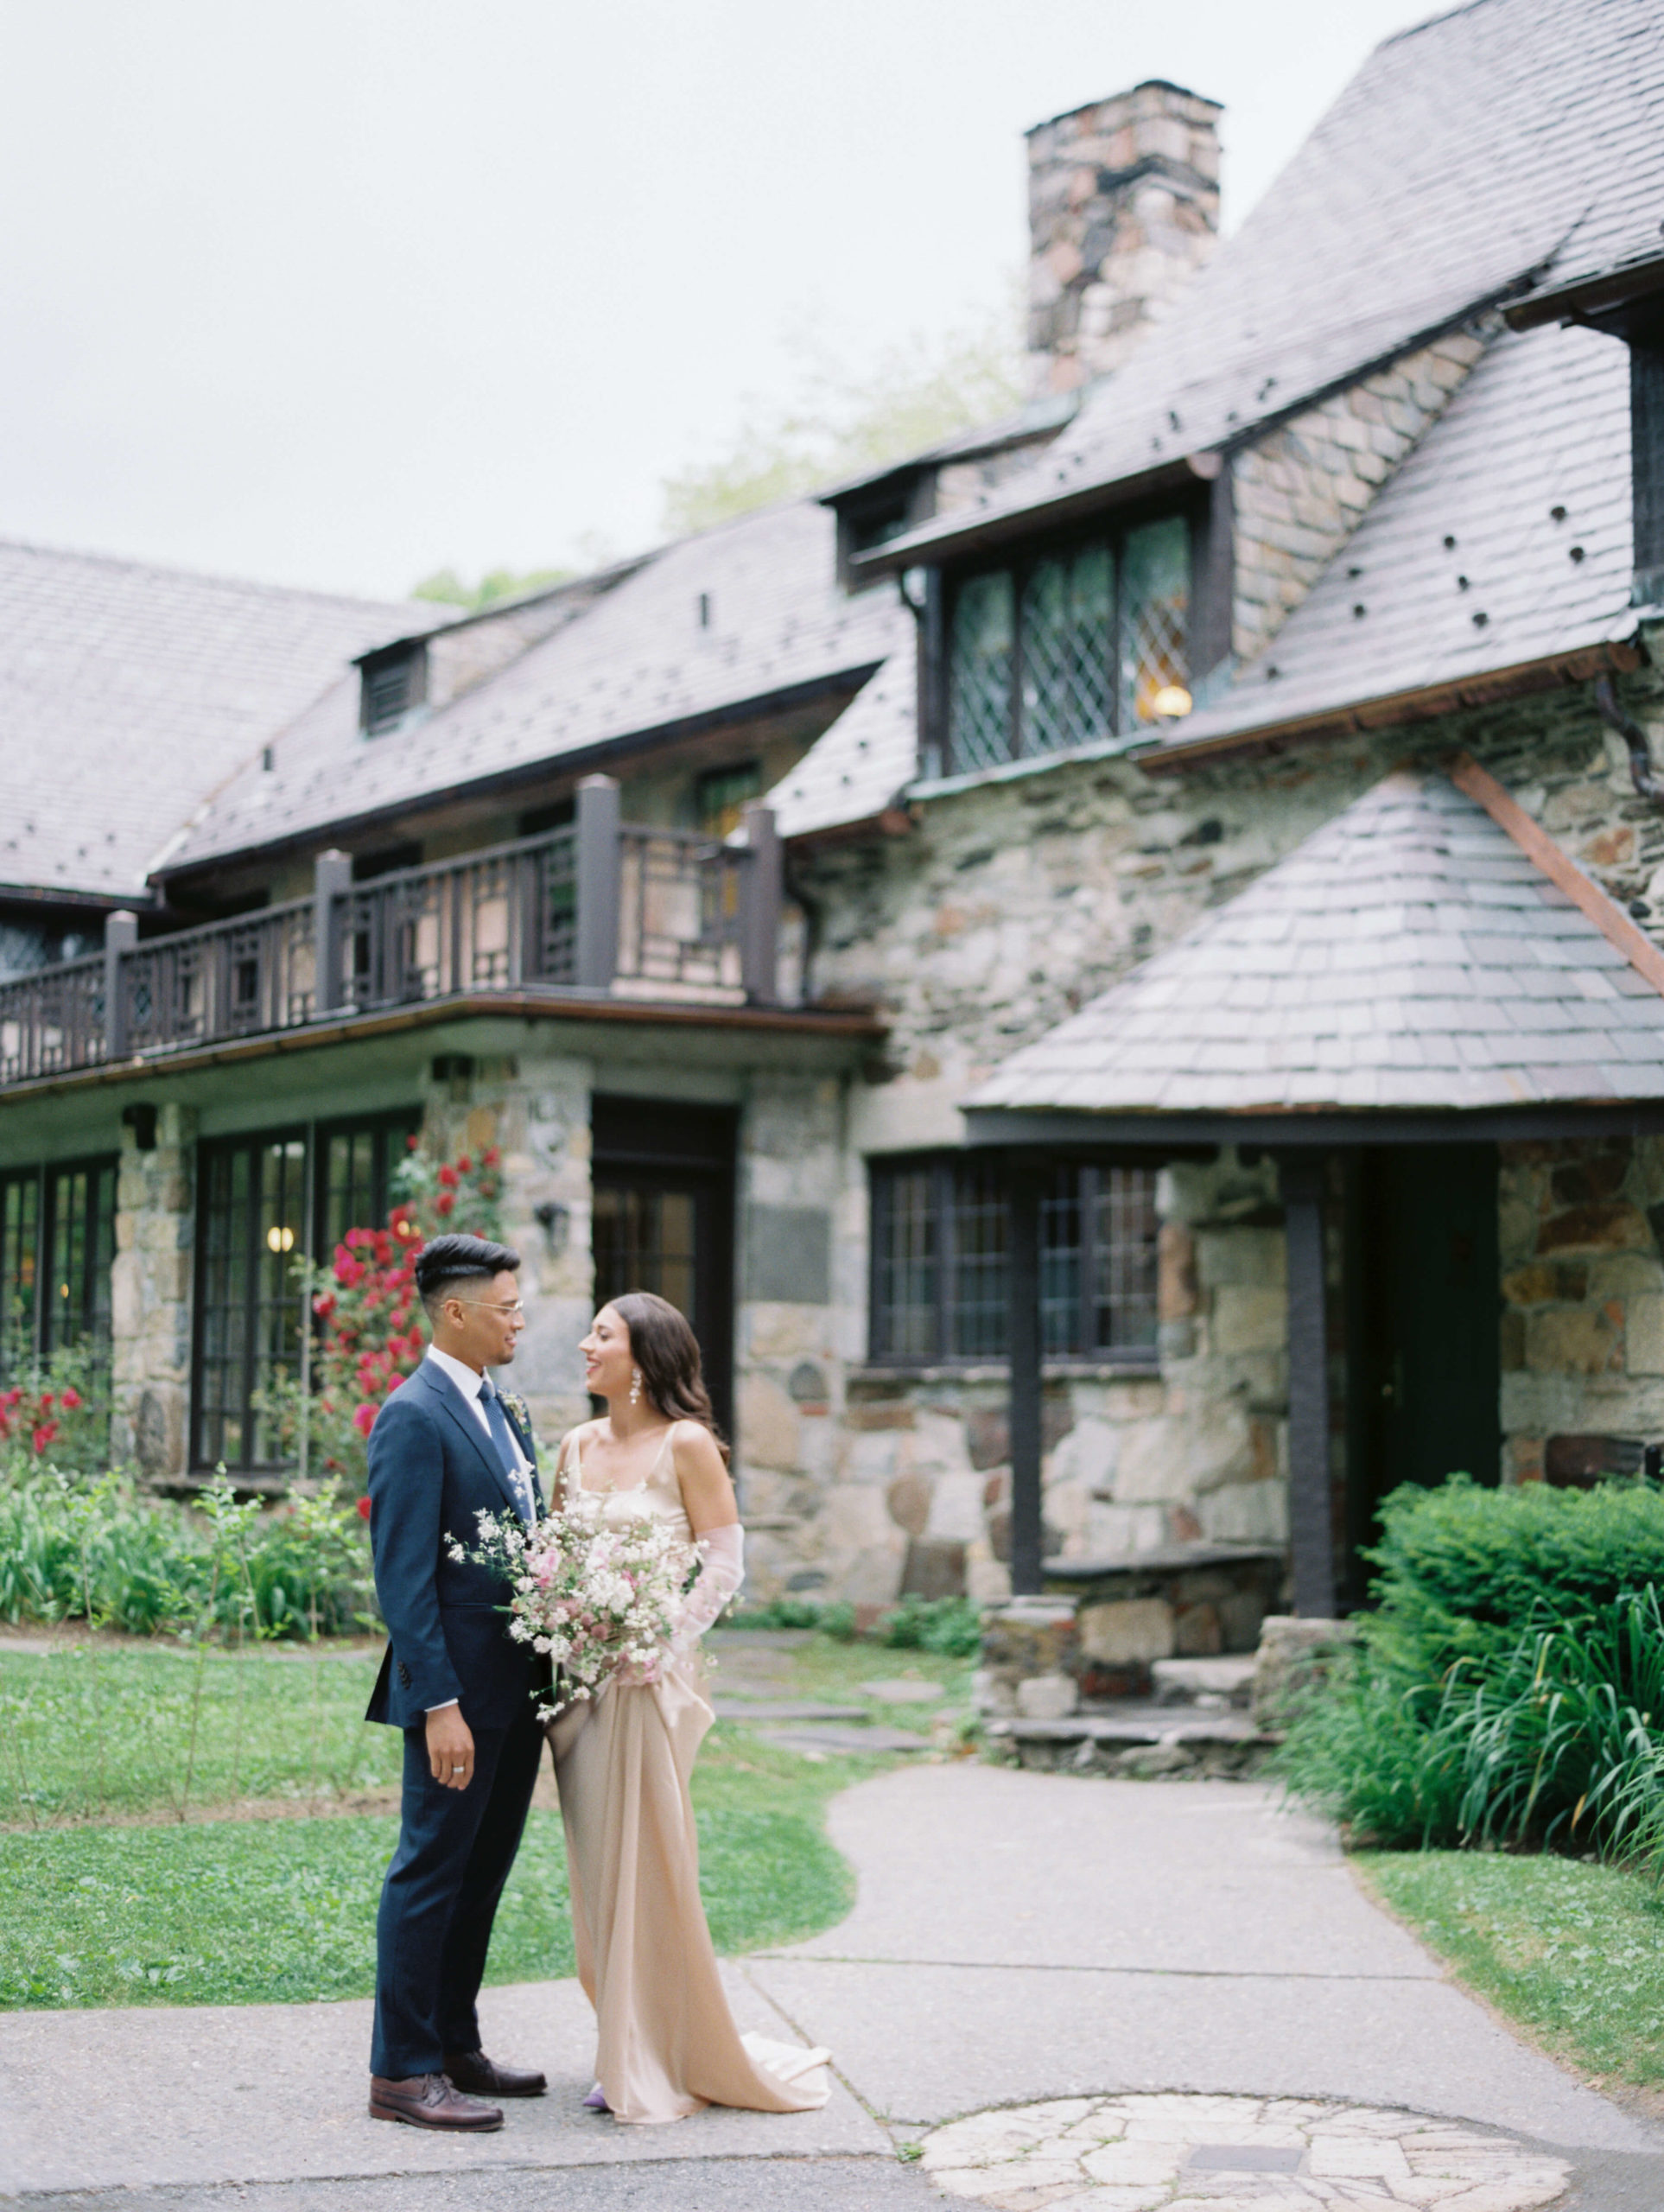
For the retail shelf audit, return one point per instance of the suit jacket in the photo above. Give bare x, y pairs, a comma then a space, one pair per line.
432, 1470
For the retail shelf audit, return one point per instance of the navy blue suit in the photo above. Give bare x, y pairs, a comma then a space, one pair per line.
432, 1469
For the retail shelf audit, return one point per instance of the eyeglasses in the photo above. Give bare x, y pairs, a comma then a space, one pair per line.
518, 1306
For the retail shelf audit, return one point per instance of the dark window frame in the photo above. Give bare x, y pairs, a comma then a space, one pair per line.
382, 1129
210, 1150
33, 1335
383, 707
1206, 518
957, 1185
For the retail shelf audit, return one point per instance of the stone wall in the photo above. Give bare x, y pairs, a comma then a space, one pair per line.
1582, 1315
150, 1294
1299, 494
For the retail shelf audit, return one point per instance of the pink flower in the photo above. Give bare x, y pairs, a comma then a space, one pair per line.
363, 1420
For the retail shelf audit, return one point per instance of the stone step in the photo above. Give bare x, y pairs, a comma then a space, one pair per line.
1212, 1684
1142, 1740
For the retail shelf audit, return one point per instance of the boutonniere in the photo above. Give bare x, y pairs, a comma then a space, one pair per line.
518, 1412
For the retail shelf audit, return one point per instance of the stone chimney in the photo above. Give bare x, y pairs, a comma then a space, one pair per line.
1123, 209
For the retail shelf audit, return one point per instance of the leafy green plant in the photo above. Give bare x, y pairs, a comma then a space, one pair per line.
1509, 1690
952, 1626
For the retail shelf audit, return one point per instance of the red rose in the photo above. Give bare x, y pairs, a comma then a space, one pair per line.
365, 1419
491, 1156
71, 1399
448, 1177
464, 1165
364, 1502
444, 1203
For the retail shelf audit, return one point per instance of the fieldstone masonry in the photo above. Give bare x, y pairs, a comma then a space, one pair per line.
1123, 210
150, 1291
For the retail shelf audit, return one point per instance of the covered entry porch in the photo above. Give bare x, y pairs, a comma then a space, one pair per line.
1440, 1050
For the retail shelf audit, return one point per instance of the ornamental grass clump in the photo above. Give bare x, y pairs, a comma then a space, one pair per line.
1509, 1691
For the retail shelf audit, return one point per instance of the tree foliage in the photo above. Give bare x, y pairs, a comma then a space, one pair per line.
842, 421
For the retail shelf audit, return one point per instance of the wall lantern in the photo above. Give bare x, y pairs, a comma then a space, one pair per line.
556, 1222
1171, 703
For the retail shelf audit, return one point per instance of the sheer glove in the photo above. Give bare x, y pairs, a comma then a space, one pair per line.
722, 1554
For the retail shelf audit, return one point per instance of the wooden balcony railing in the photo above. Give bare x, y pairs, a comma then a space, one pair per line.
600, 908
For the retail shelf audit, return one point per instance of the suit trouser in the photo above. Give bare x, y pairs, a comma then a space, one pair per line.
455, 1848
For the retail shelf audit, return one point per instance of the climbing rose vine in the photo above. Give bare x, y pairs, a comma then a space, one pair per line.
371, 1331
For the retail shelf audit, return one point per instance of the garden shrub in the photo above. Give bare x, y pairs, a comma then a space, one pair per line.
99, 1550
952, 1626
1509, 1689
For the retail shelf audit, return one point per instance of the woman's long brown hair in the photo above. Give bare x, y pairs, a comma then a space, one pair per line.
667, 1351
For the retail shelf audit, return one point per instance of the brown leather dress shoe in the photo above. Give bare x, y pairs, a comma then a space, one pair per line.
483, 2077
429, 2100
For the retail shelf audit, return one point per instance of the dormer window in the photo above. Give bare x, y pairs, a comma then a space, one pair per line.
871, 514
1078, 645
393, 684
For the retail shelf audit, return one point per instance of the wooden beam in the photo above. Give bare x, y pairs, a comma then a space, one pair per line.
1023, 1341
1562, 871
1310, 1506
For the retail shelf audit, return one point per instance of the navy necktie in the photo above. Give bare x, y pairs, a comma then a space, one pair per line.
502, 1436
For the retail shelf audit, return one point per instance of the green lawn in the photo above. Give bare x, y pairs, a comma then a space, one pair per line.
1574, 1953
108, 1897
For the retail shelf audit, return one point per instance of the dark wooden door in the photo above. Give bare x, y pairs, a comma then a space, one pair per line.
1427, 1381
663, 1219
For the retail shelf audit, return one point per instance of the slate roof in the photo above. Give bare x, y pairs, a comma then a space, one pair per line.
860, 767
1459, 566
1409, 955
1463, 157
638, 660
128, 691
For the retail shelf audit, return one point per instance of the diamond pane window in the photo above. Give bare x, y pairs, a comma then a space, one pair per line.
1069, 609
1155, 591
979, 671
939, 1245
1081, 644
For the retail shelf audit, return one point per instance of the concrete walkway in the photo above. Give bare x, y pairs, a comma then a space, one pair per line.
1018, 1937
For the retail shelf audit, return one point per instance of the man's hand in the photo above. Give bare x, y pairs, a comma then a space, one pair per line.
450, 1747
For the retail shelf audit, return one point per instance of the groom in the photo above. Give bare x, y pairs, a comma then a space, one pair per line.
445, 1447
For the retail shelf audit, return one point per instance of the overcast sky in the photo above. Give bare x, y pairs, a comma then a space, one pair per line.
335, 292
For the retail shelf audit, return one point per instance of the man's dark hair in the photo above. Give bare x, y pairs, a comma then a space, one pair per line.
449, 1260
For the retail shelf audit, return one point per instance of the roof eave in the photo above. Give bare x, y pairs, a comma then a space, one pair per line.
921, 550
1588, 296
1388, 710
1150, 1130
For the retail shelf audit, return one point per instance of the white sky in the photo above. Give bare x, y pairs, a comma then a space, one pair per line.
335, 292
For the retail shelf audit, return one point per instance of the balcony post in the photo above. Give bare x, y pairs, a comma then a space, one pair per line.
600, 883
761, 886
120, 935
332, 879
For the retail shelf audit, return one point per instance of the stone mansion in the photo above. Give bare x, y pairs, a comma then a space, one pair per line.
1115, 968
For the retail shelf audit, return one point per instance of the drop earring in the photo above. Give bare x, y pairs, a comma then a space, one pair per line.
635, 1386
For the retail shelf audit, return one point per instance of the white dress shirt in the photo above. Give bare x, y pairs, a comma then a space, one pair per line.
469, 1382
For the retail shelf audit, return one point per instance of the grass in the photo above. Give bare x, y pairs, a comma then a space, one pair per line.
93, 1731
1572, 1951
110, 1896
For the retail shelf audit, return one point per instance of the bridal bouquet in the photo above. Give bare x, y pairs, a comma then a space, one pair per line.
593, 1596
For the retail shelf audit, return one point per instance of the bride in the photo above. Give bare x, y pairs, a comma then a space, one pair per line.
668, 2043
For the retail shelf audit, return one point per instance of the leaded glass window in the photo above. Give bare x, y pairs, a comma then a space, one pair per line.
979, 663
1155, 609
940, 1234
1081, 644
1068, 630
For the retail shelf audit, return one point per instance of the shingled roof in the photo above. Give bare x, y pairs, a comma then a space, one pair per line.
1460, 161
128, 691
1503, 540
636, 662
1410, 954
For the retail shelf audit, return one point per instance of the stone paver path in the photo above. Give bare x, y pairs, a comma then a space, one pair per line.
1232, 2154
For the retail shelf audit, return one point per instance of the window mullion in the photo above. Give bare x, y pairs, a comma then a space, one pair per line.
947, 1243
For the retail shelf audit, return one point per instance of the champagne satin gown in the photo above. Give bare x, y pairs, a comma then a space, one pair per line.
667, 2044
